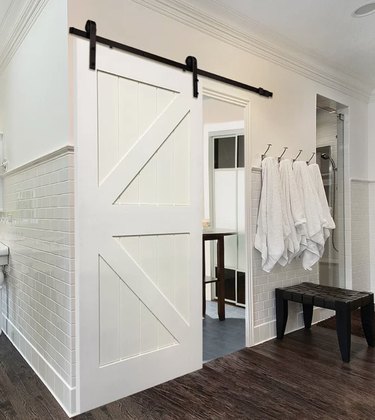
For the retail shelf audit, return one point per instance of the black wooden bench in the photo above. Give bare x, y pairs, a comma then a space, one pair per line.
343, 301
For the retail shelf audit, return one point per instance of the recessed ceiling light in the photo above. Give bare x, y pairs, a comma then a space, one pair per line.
364, 10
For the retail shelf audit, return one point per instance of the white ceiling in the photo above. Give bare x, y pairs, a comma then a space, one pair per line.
323, 30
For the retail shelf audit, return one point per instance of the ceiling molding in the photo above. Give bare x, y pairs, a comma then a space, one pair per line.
303, 65
17, 21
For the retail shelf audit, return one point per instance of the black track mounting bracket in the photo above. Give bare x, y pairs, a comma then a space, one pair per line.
192, 65
91, 34
189, 65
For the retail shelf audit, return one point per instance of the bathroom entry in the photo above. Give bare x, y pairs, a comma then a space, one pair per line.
224, 214
330, 158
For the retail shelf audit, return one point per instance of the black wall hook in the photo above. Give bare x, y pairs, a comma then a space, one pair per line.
282, 154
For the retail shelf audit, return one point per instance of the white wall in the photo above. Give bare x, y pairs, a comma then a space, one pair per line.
39, 295
371, 139
371, 177
37, 223
34, 90
288, 119
215, 111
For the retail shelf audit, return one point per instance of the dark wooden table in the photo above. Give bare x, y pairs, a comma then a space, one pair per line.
215, 235
343, 301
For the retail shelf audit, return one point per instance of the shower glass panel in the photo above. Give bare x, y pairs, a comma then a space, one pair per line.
330, 158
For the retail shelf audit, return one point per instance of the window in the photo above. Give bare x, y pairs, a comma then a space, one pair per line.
229, 152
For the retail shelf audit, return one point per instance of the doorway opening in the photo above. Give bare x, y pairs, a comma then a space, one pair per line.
330, 117
224, 214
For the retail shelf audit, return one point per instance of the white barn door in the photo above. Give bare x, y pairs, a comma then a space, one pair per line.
138, 225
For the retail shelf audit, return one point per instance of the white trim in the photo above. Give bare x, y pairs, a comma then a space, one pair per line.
14, 336
15, 25
267, 331
297, 61
241, 98
368, 181
59, 152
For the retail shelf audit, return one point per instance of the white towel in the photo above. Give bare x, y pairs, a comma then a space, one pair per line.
314, 215
318, 183
269, 238
295, 215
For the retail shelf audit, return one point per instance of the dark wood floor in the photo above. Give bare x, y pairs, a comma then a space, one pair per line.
300, 377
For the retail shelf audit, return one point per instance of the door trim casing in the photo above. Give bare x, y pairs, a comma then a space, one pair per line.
239, 97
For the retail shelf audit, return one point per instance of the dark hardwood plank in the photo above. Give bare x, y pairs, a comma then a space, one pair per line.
300, 377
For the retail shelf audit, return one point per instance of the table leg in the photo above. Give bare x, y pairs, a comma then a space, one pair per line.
307, 314
343, 328
221, 279
281, 313
203, 279
367, 316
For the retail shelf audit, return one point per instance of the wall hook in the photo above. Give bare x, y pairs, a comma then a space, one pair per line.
282, 154
299, 153
311, 158
265, 153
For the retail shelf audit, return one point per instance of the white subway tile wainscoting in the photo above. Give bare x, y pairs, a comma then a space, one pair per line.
360, 233
38, 300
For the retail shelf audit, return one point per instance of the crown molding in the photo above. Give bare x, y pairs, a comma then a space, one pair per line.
17, 21
301, 64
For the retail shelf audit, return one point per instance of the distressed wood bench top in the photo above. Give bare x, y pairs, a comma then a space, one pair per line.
325, 296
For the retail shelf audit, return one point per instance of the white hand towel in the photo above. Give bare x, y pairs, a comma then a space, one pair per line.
318, 183
269, 238
295, 216
314, 215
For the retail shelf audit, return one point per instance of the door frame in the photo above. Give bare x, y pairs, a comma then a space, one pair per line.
242, 98
212, 131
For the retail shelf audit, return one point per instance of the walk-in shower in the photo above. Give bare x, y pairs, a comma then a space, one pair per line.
330, 158
332, 199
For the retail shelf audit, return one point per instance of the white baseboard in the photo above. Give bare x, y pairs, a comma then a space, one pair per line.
267, 331
62, 392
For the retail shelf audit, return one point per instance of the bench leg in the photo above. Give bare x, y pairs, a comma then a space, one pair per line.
307, 314
281, 313
343, 328
367, 316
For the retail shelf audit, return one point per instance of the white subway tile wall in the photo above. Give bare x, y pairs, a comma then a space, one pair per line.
360, 224
371, 234
265, 283
38, 302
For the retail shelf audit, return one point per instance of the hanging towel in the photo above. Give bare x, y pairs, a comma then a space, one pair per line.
295, 215
314, 215
318, 183
269, 238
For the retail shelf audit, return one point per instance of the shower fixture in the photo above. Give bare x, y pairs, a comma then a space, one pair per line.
365, 10
326, 156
